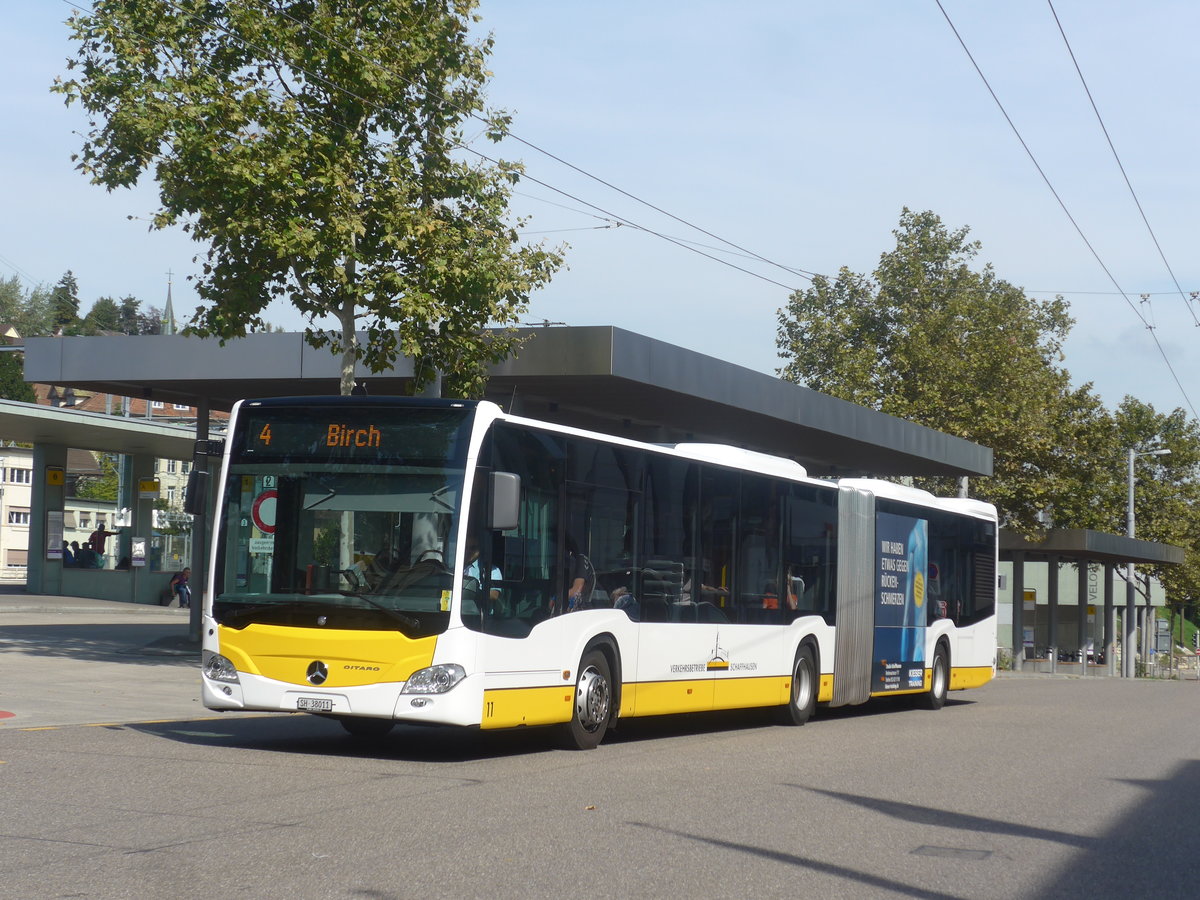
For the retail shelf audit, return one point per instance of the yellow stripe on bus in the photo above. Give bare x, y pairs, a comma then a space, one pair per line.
744, 693
661, 698
964, 677
512, 707
825, 691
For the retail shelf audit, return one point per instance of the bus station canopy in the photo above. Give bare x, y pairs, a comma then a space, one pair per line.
596, 377
29, 423
1084, 545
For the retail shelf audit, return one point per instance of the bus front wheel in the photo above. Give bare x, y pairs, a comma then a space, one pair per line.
804, 689
592, 706
939, 679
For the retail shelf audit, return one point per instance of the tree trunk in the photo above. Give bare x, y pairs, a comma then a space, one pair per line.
349, 343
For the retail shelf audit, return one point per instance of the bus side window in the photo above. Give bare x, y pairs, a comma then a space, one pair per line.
668, 530
810, 553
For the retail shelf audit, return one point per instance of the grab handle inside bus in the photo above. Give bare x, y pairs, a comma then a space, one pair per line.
504, 491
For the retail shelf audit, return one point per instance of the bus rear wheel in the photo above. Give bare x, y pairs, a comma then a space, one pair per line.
366, 729
592, 706
939, 679
804, 689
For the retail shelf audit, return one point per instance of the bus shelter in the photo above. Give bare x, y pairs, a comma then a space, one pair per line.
1078, 632
138, 576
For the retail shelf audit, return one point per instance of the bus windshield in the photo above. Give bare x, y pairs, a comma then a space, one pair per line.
341, 522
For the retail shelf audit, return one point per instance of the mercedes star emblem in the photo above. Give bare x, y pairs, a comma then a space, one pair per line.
317, 672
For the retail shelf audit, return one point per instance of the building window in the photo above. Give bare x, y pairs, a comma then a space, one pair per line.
171, 495
157, 404
85, 520
183, 407
20, 476
184, 466
18, 517
172, 465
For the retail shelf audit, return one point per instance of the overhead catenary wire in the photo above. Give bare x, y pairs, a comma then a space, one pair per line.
524, 175
1154, 337
623, 220
1195, 295
1129, 184
548, 154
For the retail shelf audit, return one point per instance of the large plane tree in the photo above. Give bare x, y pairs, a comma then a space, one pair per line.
318, 149
931, 338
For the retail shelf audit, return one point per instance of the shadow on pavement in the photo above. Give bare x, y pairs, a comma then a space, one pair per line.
315, 735
149, 644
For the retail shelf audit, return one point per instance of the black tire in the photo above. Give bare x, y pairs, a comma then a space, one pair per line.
367, 729
592, 707
805, 683
939, 679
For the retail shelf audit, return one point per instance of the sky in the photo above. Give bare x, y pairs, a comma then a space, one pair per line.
796, 129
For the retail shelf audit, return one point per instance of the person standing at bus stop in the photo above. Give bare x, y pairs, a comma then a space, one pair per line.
183, 591
97, 539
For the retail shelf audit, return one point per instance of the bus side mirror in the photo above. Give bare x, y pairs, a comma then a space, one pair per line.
195, 498
504, 493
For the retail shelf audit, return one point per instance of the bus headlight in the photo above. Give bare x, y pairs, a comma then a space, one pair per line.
435, 679
218, 668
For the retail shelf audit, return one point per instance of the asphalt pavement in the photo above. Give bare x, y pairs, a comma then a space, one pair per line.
76, 661
117, 783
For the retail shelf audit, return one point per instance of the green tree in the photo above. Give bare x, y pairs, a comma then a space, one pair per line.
319, 151
103, 486
104, 315
930, 339
150, 322
1167, 494
28, 311
12, 378
64, 304
128, 322
12, 300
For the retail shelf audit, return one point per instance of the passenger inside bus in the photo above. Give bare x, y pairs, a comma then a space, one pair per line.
473, 571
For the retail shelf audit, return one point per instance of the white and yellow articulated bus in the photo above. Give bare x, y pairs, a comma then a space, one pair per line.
382, 560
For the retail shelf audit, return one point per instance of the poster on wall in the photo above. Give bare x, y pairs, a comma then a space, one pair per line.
54, 534
901, 564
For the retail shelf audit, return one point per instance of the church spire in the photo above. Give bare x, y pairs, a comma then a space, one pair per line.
168, 316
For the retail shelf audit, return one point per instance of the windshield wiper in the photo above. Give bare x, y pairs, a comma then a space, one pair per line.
332, 493
407, 621
436, 497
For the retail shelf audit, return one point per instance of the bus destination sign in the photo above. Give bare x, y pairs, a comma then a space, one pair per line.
318, 433
276, 436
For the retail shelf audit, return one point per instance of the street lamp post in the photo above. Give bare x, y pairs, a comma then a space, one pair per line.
1127, 643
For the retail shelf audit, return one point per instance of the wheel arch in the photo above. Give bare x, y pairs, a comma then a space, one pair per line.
943, 641
607, 643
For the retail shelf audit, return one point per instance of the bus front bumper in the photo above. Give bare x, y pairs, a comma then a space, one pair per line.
461, 705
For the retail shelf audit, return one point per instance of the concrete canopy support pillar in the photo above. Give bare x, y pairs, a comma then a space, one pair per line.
1129, 640
1141, 640
200, 528
1081, 600
1052, 611
1018, 610
44, 576
1110, 621
1149, 625
141, 468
